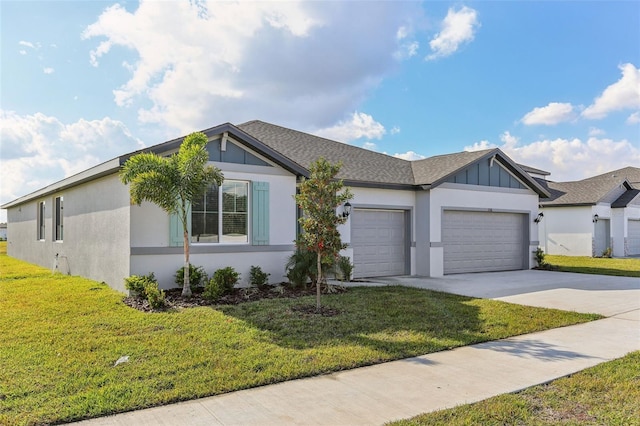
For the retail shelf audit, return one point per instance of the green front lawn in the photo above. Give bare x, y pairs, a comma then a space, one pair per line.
60, 337
607, 394
626, 267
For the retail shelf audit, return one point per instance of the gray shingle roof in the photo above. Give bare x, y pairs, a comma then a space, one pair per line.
358, 164
361, 165
577, 193
591, 190
295, 151
632, 174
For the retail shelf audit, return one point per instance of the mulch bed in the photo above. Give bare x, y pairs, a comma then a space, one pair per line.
174, 299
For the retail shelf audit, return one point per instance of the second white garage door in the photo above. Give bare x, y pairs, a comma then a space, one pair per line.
379, 242
482, 241
633, 238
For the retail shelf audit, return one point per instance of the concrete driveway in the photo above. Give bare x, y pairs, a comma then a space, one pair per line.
606, 295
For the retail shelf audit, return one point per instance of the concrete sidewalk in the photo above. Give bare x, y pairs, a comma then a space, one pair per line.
400, 389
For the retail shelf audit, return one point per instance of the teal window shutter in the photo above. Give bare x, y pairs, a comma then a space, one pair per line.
260, 214
176, 238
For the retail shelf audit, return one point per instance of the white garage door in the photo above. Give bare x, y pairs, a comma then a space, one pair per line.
378, 241
633, 237
482, 241
602, 237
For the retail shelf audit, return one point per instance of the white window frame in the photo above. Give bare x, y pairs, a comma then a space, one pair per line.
227, 239
222, 239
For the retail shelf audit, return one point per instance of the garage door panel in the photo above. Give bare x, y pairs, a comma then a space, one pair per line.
378, 242
482, 241
633, 237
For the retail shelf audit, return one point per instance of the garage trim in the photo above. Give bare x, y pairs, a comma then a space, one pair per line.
525, 226
408, 229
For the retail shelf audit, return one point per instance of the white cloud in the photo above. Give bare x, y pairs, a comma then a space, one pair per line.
48, 70
409, 155
458, 27
29, 44
551, 114
407, 47
38, 150
594, 131
210, 67
22, 52
395, 130
509, 141
634, 118
570, 159
623, 94
360, 125
370, 146
480, 146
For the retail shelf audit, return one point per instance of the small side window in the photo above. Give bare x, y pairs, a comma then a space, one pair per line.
40, 220
59, 215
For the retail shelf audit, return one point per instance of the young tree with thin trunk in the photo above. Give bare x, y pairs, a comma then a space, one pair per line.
318, 198
173, 183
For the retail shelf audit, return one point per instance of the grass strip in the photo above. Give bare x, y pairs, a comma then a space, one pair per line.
621, 267
607, 394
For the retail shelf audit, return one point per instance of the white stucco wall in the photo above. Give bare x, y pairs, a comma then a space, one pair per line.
450, 196
426, 209
151, 251
378, 198
618, 231
96, 232
568, 231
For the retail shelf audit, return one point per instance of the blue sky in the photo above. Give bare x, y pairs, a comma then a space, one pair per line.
556, 85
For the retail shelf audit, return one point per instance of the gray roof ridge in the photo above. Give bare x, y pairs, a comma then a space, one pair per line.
333, 141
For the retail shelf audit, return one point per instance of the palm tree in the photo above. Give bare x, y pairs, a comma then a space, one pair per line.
173, 183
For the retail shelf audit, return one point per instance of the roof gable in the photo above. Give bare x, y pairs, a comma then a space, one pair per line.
451, 167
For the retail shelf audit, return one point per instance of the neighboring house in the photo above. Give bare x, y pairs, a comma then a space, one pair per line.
3, 231
587, 217
464, 212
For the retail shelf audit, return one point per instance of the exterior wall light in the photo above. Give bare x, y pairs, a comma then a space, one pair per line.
595, 218
538, 219
346, 210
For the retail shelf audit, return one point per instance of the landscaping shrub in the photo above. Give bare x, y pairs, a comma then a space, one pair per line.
344, 268
221, 283
197, 277
257, 277
607, 252
539, 255
136, 283
212, 291
301, 267
155, 296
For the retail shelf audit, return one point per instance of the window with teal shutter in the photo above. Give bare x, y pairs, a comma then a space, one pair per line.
176, 239
260, 214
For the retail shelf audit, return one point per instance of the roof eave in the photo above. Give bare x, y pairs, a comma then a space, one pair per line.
379, 185
101, 170
542, 204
